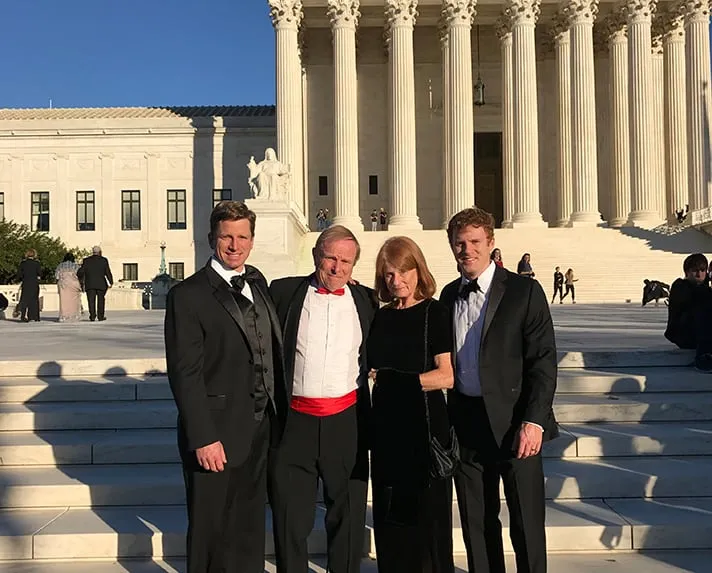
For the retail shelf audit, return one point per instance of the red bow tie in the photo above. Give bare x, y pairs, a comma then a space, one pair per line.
337, 292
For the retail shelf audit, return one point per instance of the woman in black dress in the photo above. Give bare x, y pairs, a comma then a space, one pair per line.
410, 363
29, 275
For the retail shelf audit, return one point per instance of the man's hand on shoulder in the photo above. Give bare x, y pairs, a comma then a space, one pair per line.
529, 440
212, 457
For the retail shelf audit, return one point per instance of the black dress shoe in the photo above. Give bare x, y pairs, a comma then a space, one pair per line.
102, 319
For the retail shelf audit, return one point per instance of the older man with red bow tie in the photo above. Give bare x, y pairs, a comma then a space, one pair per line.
325, 321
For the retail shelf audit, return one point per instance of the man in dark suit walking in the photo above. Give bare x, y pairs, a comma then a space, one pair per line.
325, 321
95, 276
224, 357
501, 406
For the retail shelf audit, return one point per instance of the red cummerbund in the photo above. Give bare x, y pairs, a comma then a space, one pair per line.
323, 406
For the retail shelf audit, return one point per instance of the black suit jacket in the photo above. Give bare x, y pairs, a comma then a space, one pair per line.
210, 365
94, 273
517, 359
289, 294
29, 274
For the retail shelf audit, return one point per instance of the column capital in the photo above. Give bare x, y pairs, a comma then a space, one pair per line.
640, 11
459, 12
673, 22
503, 27
443, 30
656, 36
344, 13
615, 27
523, 11
581, 11
401, 13
286, 13
559, 29
697, 10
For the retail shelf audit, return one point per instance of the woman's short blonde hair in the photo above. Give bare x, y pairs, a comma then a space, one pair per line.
30, 254
405, 255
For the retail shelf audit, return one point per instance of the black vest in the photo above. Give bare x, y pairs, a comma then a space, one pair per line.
259, 335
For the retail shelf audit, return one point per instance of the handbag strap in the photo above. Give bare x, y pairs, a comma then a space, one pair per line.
426, 363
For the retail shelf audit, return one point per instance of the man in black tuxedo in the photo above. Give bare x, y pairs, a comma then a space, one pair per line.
224, 357
325, 321
95, 276
501, 406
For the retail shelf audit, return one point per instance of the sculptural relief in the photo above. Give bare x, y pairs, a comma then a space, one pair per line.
269, 179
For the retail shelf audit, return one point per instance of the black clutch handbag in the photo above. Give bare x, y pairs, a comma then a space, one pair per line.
444, 459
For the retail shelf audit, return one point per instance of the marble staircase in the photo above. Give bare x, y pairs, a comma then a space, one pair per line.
89, 468
609, 263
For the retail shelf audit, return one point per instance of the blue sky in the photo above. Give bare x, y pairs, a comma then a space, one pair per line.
97, 53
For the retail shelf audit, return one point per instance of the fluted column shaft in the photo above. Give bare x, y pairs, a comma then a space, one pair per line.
581, 14
525, 114
505, 36
643, 208
562, 49
344, 16
658, 122
675, 114
401, 16
459, 15
286, 18
698, 85
445, 70
619, 122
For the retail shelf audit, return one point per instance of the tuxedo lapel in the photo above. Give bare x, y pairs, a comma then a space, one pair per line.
291, 327
497, 289
222, 293
259, 291
362, 309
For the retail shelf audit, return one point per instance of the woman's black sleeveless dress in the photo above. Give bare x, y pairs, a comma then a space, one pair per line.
412, 513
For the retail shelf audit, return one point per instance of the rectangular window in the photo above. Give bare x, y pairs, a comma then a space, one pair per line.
176, 270
176, 209
130, 271
221, 195
131, 210
2, 206
40, 211
85, 211
373, 184
323, 185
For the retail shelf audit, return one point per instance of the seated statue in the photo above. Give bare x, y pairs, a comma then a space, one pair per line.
268, 179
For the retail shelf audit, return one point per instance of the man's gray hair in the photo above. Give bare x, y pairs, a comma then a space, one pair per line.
96, 250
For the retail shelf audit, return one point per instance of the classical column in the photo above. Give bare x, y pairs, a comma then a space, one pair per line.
581, 14
286, 18
675, 111
564, 191
619, 118
458, 16
697, 42
400, 20
344, 15
445, 110
658, 120
643, 208
524, 14
504, 32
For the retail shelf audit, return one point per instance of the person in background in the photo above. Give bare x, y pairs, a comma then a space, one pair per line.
558, 285
383, 218
29, 275
496, 257
374, 220
95, 276
524, 268
690, 312
69, 288
569, 281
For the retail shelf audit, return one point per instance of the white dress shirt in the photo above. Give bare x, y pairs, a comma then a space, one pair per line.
469, 321
227, 274
326, 362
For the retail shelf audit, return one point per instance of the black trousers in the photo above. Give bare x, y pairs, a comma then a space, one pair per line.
570, 289
560, 290
483, 464
30, 302
95, 299
313, 448
226, 512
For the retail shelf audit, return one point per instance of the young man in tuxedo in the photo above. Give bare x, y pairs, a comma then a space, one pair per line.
325, 321
224, 356
95, 276
501, 406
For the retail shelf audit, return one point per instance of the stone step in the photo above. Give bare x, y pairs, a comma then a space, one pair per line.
88, 415
159, 531
65, 368
84, 389
88, 447
648, 407
632, 380
631, 358
632, 439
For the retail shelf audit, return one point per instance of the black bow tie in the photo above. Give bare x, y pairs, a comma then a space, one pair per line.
466, 289
238, 281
